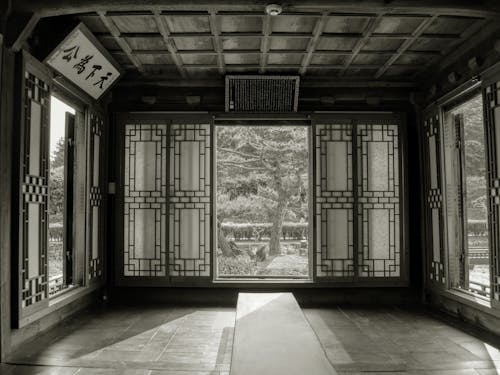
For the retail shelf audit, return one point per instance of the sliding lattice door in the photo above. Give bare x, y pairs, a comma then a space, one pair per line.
33, 197
166, 193
358, 206
190, 202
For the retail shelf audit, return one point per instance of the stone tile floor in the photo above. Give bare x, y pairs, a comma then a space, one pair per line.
198, 341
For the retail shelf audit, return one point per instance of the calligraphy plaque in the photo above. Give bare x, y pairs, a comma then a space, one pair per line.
82, 59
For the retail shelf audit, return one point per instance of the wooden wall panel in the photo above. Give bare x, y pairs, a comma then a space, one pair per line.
33, 187
95, 195
434, 199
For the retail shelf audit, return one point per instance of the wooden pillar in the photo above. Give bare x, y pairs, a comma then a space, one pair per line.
6, 141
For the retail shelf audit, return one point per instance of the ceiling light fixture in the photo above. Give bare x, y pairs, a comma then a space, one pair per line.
273, 9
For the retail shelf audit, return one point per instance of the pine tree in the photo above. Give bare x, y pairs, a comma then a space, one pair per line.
57, 159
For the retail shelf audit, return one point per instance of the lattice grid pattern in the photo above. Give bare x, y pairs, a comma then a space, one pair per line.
190, 200
492, 117
357, 201
379, 200
434, 198
145, 200
334, 200
34, 286
95, 196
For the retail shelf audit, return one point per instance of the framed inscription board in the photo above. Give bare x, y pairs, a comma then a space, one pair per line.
82, 59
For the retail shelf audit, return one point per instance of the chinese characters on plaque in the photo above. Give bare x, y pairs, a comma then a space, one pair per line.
82, 59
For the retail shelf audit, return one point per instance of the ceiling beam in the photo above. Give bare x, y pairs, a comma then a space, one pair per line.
318, 30
284, 34
406, 44
165, 33
264, 42
316, 82
26, 32
371, 25
214, 29
115, 32
279, 66
280, 51
48, 8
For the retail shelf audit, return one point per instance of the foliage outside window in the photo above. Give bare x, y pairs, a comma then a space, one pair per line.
57, 195
262, 201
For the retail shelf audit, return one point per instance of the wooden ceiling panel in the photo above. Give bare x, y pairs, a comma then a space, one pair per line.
399, 71
236, 43
135, 24
294, 24
109, 42
382, 44
93, 23
122, 59
412, 59
243, 59
398, 25
156, 59
430, 44
202, 72
312, 71
322, 59
188, 24
146, 43
342, 24
295, 44
194, 43
360, 73
193, 59
450, 25
336, 44
370, 59
228, 24
163, 70
282, 58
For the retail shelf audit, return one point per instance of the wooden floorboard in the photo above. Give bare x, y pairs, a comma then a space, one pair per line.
165, 340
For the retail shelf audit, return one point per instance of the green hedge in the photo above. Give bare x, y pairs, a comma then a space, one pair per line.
258, 231
477, 227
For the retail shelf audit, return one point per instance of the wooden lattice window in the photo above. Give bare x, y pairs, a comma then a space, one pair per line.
357, 200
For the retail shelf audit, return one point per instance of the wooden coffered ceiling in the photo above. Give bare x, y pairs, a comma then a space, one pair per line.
200, 44
350, 40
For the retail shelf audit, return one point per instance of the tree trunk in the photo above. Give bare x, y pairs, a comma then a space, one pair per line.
277, 229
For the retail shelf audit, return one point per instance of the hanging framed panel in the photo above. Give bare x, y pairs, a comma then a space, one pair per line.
359, 205
33, 188
434, 198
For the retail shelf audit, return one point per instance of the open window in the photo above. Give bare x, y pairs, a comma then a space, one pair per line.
467, 194
60, 205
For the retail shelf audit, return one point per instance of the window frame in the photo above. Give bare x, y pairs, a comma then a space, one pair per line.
453, 99
79, 119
